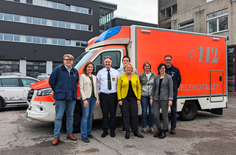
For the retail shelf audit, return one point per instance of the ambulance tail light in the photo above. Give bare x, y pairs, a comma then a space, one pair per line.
108, 33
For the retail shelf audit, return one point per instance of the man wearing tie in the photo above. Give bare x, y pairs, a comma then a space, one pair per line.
107, 80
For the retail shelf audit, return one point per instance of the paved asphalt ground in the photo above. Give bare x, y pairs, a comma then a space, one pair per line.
208, 134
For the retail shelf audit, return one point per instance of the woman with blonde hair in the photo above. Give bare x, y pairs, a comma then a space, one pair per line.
129, 96
89, 95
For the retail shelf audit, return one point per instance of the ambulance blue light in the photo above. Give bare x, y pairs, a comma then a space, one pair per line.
108, 33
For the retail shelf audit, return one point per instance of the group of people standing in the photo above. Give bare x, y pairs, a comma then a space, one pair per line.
111, 86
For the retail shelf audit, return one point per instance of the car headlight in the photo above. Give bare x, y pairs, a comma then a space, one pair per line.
44, 92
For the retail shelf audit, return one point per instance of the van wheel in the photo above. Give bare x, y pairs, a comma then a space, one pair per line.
77, 121
189, 111
77, 116
1, 104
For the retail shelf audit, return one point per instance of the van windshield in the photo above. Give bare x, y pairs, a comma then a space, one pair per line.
83, 58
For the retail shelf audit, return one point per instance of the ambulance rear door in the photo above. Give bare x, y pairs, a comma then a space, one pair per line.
216, 85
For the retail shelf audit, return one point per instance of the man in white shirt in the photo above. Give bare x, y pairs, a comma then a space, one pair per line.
107, 80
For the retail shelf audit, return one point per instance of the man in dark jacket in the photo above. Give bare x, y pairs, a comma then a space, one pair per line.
175, 74
63, 81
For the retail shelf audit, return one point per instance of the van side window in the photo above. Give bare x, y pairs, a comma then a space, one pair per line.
96, 62
27, 82
10, 82
115, 56
0, 82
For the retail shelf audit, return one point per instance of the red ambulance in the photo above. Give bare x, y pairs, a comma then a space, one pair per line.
201, 59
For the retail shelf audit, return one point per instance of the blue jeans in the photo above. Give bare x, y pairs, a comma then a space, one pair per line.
61, 106
86, 121
145, 102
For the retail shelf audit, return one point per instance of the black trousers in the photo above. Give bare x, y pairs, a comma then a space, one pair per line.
108, 103
130, 109
131, 123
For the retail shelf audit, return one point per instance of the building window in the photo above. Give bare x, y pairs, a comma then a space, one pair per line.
61, 24
29, 39
61, 41
54, 41
217, 22
67, 7
78, 43
44, 22
9, 66
1, 16
34, 68
1, 36
55, 64
16, 37
37, 21
36, 40
54, 23
42, 40
8, 37
231, 68
16, 18
28, 19
8, 17
56, 5
187, 26
67, 43
29, 1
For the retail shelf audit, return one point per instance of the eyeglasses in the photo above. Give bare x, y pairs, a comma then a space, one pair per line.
168, 60
68, 59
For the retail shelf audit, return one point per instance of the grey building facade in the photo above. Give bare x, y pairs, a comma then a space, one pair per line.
215, 17
166, 9
35, 34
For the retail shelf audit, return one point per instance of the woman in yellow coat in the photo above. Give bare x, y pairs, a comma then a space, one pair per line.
129, 96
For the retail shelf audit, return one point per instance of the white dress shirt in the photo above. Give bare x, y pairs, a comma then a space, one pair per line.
102, 80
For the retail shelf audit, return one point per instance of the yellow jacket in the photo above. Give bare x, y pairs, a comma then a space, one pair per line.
123, 86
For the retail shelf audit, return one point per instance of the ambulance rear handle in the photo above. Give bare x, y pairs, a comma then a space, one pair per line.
220, 78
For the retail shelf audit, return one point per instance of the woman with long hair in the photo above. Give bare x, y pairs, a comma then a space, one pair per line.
90, 99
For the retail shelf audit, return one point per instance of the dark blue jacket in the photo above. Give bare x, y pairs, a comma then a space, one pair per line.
64, 84
175, 74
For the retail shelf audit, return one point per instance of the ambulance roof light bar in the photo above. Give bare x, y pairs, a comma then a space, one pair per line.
108, 33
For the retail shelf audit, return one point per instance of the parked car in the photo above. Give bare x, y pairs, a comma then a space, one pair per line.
43, 76
14, 88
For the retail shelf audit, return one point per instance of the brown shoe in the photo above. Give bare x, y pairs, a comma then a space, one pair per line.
55, 141
71, 137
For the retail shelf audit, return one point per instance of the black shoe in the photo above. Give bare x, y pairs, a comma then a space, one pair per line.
172, 131
113, 134
104, 134
137, 134
162, 135
127, 135
90, 136
158, 133
86, 140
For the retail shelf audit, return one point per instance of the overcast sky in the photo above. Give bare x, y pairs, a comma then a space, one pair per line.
141, 10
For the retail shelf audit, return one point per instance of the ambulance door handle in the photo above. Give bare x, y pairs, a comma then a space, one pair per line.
145, 31
220, 78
